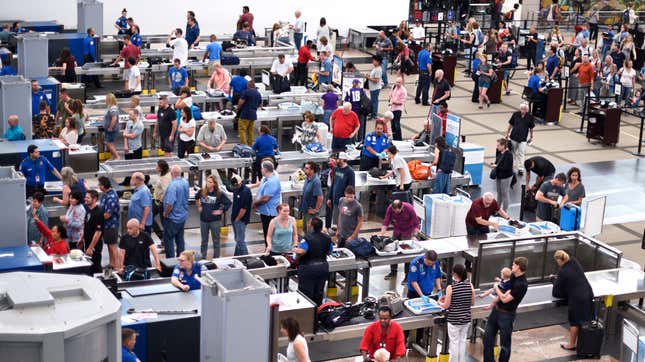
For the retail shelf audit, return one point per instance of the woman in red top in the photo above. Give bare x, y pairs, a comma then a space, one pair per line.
56, 243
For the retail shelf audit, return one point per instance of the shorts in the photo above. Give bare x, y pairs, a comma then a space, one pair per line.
483, 83
110, 136
165, 144
126, 73
111, 236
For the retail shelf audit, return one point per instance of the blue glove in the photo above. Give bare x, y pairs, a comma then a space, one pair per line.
440, 294
382, 155
425, 299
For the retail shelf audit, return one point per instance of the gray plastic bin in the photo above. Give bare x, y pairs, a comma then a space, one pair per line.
15, 98
90, 15
12, 193
235, 317
33, 55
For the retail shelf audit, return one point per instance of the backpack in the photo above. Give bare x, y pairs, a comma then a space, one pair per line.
513, 59
230, 59
479, 37
625, 17
132, 272
244, 151
332, 314
360, 247
447, 161
380, 242
366, 104
196, 112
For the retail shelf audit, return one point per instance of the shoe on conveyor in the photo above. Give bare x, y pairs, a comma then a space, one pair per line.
390, 276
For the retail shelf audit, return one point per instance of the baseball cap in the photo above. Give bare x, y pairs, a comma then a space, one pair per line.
343, 156
356, 81
236, 180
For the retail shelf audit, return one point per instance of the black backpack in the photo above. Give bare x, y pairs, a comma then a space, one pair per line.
366, 104
132, 272
333, 314
447, 161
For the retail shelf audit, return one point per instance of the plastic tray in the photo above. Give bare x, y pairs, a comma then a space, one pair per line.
348, 255
544, 227
225, 264
388, 253
418, 306
416, 247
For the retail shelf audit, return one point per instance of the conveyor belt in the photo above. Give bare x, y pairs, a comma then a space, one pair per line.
219, 160
122, 168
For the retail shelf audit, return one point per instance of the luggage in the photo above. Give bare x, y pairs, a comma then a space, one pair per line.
419, 170
244, 151
360, 247
530, 203
332, 314
230, 59
366, 104
570, 217
167, 266
123, 93
590, 339
393, 301
380, 242
132, 273
403, 196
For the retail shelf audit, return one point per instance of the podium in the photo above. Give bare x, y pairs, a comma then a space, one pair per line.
553, 105
603, 124
495, 91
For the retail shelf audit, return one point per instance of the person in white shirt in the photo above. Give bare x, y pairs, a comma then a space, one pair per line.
298, 27
186, 133
322, 32
69, 135
134, 80
399, 169
281, 66
418, 32
179, 45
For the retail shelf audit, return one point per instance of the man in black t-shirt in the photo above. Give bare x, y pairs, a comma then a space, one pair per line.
547, 197
166, 126
502, 316
441, 90
93, 230
531, 47
520, 132
542, 168
136, 246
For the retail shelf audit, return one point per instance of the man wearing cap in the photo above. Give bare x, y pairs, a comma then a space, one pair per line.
343, 176
240, 213
344, 126
211, 136
353, 96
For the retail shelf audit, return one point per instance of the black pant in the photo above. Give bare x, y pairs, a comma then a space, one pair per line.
328, 215
593, 31
157, 209
530, 58
30, 190
311, 280
301, 74
423, 87
397, 135
475, 97
367, 163
96, 258
502, 322
266, 219
185, 148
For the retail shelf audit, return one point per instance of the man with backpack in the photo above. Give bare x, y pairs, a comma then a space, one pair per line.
444, 159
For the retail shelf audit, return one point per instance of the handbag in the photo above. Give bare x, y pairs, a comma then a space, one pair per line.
493, 174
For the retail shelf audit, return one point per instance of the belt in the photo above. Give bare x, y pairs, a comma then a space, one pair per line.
503, 310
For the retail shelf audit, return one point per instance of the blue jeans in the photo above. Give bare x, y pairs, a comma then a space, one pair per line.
625, 94
173, 234
297, 38
327, 116
441, 183
374, 98
239, 228
437, 123
360, 135
383, 70
214, 228
502, 322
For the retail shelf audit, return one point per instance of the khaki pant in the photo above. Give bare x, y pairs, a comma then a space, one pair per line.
245, 130
519, 154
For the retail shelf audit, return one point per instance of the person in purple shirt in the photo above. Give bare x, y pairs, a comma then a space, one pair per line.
353, 96
406, 225
329, 103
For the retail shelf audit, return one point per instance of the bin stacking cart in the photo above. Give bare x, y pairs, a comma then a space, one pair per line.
235, 311
15, 98
12, 193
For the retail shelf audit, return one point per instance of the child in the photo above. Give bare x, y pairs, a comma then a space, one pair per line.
504, 284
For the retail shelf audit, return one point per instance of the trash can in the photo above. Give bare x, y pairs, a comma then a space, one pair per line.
235, 311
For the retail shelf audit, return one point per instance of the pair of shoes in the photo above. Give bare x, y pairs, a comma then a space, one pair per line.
520, 172
390, 276
508, 93
488, 104
567, 348
425, 104
416, 101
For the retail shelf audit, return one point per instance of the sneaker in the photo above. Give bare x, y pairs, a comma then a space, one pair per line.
508, 93
390, 276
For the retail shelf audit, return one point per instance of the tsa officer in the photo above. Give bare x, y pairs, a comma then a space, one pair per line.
89, 54
424, 276
121, 24
374, 146
33, 168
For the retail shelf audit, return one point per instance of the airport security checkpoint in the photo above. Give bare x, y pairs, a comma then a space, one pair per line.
402, 181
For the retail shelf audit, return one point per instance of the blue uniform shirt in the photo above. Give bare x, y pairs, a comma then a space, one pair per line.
89, 47
325, 66
127, 356
191, 34
551, 63
122, 23
136, 40
36, 98
265, 146
423, 274
14, 134
378, 143
110, 204
140, 199
34, 170
189, 280
310, 192
534, 83
177, 77
271, 187
214, 50
238, 84
8, 70
424, 59
177, 196
252, 100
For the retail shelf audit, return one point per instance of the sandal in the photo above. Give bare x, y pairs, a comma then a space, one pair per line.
567, 349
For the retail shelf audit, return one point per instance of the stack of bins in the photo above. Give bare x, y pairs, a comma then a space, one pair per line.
12, 193
438, 215
460, 207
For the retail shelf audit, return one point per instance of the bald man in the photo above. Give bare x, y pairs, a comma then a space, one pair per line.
14, 131
140, 207
298, 27
480, 211
135, 248
344, 125
175, 213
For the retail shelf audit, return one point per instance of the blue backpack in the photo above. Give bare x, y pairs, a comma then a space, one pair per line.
244, 151
513, 59
361, 247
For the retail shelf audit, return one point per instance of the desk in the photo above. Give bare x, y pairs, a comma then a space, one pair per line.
496, 89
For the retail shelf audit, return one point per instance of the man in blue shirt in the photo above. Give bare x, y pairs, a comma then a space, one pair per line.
247, 107
374, 146
89, 55
424, 276
343, 176
268, 197
175, 212
240, 213
552, 65
128, 340
213, 53
140, 207
135, 38
121, 23
7, 68
192, 33
37, 95
112, 215
177, 76
312, 196
424, 61
13, 132
325, 72
33, 168
238, 85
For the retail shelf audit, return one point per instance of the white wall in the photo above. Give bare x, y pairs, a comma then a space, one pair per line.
160, 16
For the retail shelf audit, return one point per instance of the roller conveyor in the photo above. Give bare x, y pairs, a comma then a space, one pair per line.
298, 158
121, 168
219, 160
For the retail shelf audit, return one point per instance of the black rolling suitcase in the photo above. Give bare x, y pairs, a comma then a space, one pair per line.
590, 339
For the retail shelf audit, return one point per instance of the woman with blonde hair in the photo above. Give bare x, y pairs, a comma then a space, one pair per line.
71, 182
111, 125
570, 283
186, 275
211, 204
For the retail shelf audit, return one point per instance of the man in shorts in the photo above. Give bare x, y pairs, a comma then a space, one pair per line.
111, 214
